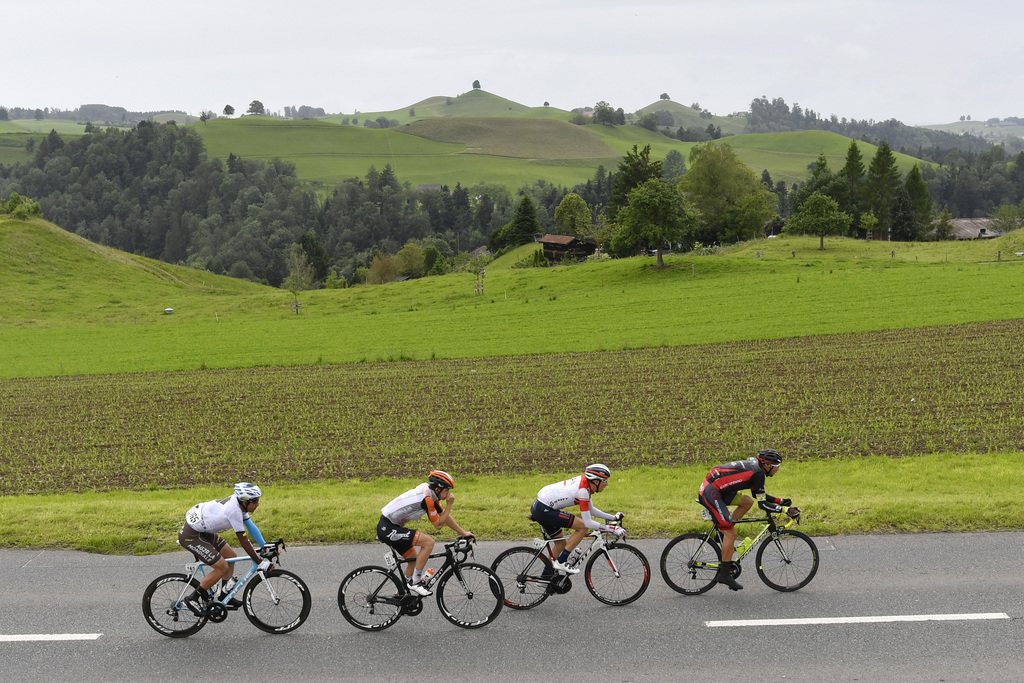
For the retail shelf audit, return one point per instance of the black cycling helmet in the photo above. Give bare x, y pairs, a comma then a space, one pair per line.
440, 479
768, 457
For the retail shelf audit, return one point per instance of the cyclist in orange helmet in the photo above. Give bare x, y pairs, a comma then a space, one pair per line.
425, 499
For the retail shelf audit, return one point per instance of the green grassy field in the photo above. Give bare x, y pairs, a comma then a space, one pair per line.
889, 383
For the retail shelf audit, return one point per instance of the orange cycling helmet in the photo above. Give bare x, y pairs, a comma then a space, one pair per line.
441, 480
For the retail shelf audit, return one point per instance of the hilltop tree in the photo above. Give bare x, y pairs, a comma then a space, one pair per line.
665, 96
819, 215
476, 85
256, 107
603, 113
635, 169
229, 110
657, 215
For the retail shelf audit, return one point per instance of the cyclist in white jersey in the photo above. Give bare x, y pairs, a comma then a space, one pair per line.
425, 499
548, 511
199, 536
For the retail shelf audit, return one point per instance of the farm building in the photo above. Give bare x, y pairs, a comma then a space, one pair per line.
973, 229
558, 247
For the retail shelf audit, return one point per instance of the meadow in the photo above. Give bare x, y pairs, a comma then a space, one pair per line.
887, 374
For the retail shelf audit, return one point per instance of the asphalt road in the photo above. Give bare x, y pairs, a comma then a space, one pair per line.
663, 636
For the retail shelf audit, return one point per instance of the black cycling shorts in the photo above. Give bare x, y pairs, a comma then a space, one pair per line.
551, 521
398, 537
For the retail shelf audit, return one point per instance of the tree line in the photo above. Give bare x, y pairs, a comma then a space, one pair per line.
152, 190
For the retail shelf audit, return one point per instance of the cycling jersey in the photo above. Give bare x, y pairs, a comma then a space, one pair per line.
723, 482
575, 491
412, 505
215, 516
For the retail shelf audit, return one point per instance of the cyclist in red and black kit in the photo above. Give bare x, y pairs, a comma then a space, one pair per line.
721, 488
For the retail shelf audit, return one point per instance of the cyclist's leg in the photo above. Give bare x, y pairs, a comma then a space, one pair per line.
208, 548
425, 543
712, 499
742, 507
401, 539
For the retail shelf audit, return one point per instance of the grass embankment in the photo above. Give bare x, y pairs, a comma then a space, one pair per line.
926, 493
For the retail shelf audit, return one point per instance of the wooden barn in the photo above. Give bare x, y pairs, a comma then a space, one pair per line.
558, 247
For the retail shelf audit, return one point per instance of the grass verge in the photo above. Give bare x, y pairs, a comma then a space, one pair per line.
936, 492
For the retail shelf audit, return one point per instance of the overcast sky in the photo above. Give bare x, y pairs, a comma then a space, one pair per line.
919, 62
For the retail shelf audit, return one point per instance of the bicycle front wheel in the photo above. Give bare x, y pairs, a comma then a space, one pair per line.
787, 562
470, 595
524, 575
618, 575
370, 598
689, 564
163, 609
278, 603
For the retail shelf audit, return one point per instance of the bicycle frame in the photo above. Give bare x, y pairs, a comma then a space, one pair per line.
395, 562
771, 527
197, 570
597, 544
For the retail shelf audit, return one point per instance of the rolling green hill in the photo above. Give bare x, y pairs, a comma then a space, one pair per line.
71, 307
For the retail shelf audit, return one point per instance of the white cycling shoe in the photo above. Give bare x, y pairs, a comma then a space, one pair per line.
565, 569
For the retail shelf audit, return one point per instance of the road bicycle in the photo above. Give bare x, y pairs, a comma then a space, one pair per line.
786, 559
615, 574
469, 595
276, 601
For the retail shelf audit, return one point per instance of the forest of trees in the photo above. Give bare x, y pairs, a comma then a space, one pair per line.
152, 190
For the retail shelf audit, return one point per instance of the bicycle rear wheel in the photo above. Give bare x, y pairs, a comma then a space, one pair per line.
470, 595
370, 598
522, 574
689, 564
278, 603
618, 575
162, 607
787, 562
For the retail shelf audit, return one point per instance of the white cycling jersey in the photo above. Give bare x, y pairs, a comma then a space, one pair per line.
413, 504
575, 491
215, 516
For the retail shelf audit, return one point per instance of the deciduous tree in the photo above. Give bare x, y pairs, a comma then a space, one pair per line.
656, 216
732, 203
819, 215
573, 216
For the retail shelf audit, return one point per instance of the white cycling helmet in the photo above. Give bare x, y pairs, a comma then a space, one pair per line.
597, 472
246, 491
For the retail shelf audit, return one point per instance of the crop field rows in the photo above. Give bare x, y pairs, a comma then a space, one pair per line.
896, 393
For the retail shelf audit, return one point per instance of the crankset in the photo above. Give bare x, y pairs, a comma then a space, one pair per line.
216, 612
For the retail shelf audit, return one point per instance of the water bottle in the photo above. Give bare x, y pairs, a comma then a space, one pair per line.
574, 557
428, 575
228, 586
744, 544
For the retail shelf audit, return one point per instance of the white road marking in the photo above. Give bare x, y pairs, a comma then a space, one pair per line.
33, 637
856, 620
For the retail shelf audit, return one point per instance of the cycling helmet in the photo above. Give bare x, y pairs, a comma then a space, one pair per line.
597, 472
441, 479
769, 456
246, 491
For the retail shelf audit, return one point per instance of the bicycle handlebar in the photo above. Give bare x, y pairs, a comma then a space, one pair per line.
272, 551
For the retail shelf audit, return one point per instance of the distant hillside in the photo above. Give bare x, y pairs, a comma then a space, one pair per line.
474, 103
48, 274
522, 138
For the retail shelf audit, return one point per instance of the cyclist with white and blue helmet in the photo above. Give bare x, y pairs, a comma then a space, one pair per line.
549, 511
199, 535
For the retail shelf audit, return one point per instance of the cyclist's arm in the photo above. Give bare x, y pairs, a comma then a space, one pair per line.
254, 531
588, 518
594, 512
243, 541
